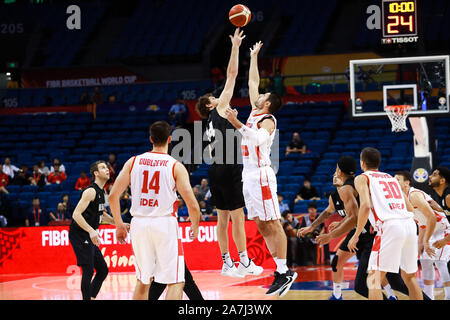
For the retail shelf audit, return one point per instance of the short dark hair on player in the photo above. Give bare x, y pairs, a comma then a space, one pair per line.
405, 174
201, 105
94, 167
275, 102
159, 132
371, 157
444, 172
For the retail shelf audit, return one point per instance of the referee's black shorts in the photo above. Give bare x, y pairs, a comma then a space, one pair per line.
225, 184
86, 252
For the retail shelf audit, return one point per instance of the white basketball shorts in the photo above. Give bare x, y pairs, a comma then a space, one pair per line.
157, 249
260, 194
395, 246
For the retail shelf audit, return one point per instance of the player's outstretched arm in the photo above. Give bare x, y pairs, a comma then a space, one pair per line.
232, 70
351, 207
259, 136
253, 74
324, 215
120, 185
185, 190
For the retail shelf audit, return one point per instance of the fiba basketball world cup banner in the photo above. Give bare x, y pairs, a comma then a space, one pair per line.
48, 249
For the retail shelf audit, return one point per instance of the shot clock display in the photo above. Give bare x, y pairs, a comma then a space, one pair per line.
399, 21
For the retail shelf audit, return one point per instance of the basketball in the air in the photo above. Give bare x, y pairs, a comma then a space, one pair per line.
240, 15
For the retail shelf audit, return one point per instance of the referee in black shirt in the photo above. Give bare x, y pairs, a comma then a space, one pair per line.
83, 234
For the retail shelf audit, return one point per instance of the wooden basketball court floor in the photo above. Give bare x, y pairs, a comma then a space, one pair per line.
313, 283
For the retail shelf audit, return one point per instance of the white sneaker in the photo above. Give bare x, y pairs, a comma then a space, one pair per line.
252, 269
231, 271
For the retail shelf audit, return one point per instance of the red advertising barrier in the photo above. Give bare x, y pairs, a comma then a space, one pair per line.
48, 250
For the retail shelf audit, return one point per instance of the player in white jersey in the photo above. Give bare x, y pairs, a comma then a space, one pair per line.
155, 177
390, 214
434, 226
259, 180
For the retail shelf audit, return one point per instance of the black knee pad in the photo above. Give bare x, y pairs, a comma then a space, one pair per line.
334, 263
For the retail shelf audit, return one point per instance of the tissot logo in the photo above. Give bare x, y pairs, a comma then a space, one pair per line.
399, 40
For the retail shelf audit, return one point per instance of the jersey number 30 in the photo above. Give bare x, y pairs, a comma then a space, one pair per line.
154, 182
391, 190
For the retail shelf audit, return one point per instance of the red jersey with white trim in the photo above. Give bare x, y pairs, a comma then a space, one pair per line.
153, 185
387, 198
442, 223
254, 156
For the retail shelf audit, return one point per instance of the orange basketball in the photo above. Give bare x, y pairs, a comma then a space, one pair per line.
240, 15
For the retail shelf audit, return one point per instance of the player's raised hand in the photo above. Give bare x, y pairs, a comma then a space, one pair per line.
255, 49
237, 38
323, 238
231, 113
304, 231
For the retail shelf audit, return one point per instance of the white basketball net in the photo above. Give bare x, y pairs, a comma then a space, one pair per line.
398, 115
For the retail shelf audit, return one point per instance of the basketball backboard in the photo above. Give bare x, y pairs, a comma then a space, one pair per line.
422, 82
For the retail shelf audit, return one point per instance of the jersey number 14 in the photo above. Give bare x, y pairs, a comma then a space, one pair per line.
154, 182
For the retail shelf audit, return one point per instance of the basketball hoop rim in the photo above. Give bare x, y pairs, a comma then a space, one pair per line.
399, 109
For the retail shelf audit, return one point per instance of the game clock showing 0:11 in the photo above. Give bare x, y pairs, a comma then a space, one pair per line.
399, 20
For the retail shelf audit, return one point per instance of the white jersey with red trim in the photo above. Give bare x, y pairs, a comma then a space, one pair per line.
442, 223
387, 198
153, 185
254, 156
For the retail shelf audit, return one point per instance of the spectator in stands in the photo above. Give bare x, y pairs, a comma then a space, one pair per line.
60, 214
9, 168
177, 114
278, 85
182, 210
203, 188
56, 161
309, 246
296, 145
113, 166
37, 178
22, 178
97, 96
4, 180
307, 192
68, 206
84, 99
290, 226
205, 210
198, 196
43, 169
83, 181
125, 205
36, 216
56, 176
264, 82
284, 205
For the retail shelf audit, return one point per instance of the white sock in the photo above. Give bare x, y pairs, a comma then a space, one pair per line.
244, 258
447, 293
337, 289
429, 290
281, 265
389, 290
227, 260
